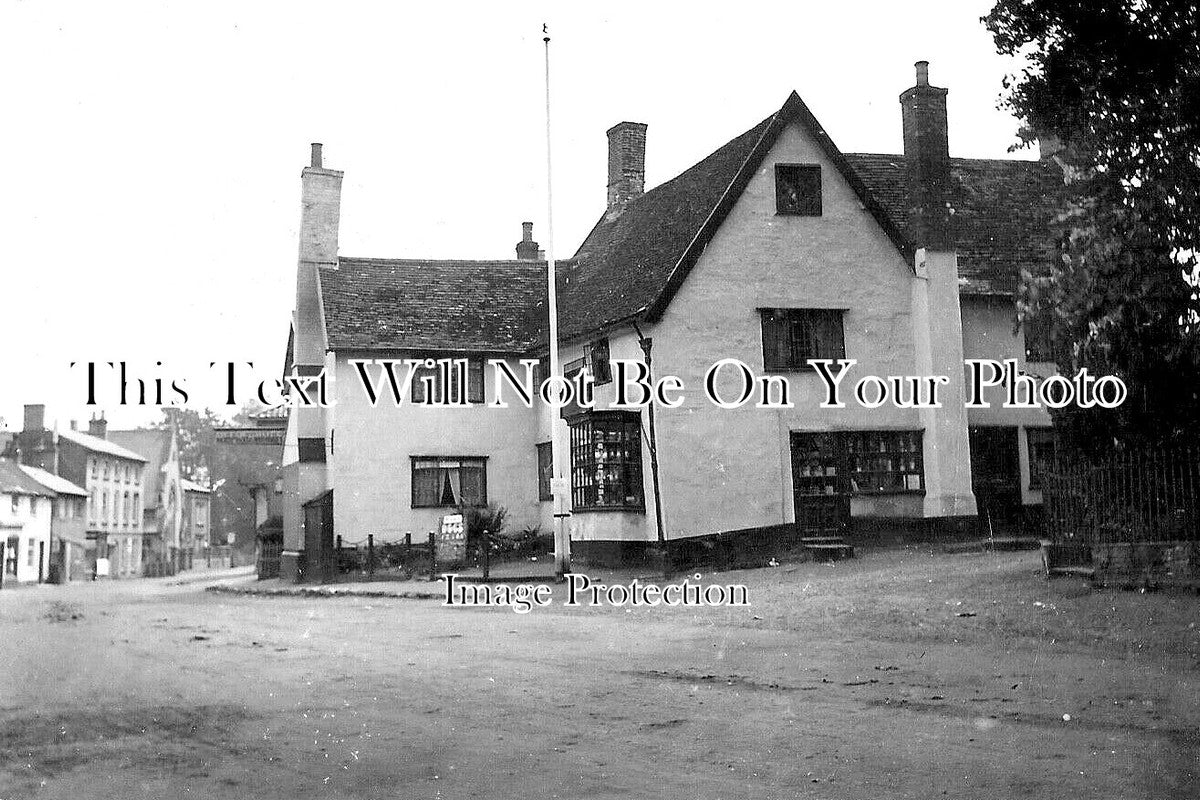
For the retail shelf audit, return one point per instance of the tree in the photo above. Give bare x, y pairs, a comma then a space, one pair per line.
1117, 83
194, 435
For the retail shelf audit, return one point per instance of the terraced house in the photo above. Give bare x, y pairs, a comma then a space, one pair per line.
776, 248
112, 476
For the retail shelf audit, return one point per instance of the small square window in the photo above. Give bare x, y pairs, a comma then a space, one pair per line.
798, 189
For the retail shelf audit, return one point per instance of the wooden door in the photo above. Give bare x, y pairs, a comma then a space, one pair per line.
996, 473
819, 488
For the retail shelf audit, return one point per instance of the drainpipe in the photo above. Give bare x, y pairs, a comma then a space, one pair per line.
646, 345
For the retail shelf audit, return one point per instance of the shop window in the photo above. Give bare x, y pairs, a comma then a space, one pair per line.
606, 461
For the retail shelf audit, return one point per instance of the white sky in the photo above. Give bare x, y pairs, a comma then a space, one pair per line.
153, 151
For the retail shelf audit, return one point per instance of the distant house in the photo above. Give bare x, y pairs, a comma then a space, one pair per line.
775, 249
25, 514
196, 536
113, 477
163, 507
69, 553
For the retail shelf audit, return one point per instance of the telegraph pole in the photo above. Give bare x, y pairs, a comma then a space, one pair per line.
558, 484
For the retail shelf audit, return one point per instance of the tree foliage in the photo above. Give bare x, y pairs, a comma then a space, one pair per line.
1117, 83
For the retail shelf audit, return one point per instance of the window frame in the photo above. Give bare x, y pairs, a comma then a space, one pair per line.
585, 494
413, 460
785, 321
794, 175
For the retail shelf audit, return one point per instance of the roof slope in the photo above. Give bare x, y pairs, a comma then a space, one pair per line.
477, 306
155, 446
631, 264
98, 445
54, 483
14, 480
1003, 213
624, 262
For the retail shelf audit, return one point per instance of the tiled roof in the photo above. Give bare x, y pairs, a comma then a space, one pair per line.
54, 483
1003, 212
625, 262
631, 264
98, 445
477, 306
14, 480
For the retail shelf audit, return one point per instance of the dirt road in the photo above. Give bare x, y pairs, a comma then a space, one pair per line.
898, 675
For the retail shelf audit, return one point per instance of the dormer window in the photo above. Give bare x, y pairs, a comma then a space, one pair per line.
798, 189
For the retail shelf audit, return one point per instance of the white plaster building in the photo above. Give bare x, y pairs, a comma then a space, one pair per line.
26, 509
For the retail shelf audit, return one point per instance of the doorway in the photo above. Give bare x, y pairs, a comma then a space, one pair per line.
996, 473
819, 488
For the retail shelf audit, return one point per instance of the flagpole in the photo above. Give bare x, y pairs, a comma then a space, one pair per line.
562, 538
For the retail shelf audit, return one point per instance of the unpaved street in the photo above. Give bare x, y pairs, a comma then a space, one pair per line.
897, 675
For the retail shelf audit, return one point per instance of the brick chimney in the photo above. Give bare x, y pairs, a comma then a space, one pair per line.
626, 164
527, 248
35, 417
927, 159
320, 211
98, 426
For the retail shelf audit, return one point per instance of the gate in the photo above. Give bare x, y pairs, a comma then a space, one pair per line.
318, 538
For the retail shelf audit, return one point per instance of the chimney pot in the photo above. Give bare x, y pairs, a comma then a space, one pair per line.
922, 73
626, 164
316, 155
98, 427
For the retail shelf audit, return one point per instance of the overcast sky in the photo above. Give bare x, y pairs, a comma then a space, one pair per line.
153, 150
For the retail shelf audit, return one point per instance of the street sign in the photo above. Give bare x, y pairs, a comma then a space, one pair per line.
262, 436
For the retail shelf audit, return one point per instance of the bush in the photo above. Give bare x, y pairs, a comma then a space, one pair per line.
476, 520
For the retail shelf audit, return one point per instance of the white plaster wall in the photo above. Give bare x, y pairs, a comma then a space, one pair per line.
731, 469
370, 465
988, 332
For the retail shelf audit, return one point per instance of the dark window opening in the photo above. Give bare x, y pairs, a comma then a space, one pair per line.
798, 189
475, 378
1041, 454
1039, 342
595, 358
545, 466
791, 336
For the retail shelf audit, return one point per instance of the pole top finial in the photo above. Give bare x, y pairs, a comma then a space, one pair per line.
545, 33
